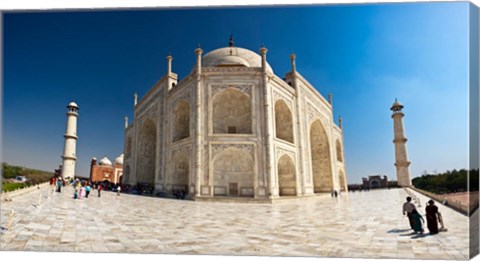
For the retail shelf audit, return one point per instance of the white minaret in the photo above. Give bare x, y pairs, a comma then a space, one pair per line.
401, 156
69, 157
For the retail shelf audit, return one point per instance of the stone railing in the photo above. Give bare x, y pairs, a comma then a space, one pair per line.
416, 201
9, 195
453, 204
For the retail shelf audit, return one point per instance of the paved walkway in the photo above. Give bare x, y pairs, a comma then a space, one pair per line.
361, 225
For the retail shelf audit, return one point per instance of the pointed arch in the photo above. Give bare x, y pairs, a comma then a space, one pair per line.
181, 121
145, 170
233, 173
339, 153
180, 173
287, 179
320, 158
232, 112
283, 121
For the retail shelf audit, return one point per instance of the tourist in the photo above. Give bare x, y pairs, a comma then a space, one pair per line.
118, 190
417, 221
408, 207
87, 190
52, 183
79, 184
99, 188
59, 185
432, 217
81, 192
75, 193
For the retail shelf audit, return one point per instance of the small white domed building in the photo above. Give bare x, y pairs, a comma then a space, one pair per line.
105, 170
232, 128
105, 162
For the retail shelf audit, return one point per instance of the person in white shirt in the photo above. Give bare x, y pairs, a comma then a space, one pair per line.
408, 207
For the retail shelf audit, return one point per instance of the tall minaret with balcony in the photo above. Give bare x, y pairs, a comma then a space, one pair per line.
69, 157
401, 155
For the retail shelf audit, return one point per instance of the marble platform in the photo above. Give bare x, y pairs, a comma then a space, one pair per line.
358, 225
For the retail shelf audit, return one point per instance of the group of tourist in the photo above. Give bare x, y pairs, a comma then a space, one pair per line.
416, 220
82, 188
56, 183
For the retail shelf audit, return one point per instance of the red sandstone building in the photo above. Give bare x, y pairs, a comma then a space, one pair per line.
105, 170
376, 181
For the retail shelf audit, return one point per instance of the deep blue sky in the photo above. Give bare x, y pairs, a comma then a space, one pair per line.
365, 54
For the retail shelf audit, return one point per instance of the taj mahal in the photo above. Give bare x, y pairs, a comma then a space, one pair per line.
234, 129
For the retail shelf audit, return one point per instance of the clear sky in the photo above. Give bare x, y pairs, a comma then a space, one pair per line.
366, 55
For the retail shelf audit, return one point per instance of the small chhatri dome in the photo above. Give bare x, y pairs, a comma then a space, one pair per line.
119, 160
105, 162
72, 104
396, 106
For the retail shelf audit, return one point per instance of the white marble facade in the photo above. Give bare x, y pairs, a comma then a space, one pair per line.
232, 128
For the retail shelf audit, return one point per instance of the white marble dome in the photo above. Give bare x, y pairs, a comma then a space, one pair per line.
105, 162
233, 56
119, 160
72, 104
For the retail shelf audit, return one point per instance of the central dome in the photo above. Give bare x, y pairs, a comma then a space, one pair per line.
233, 56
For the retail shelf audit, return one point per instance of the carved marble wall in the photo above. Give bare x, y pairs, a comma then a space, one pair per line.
146, 154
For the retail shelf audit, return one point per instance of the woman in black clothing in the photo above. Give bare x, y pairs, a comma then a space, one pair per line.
432, 217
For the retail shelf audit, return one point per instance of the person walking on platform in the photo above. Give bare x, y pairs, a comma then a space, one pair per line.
432, 217
99, 188
417, 221
59, 185
87, 190
408, 207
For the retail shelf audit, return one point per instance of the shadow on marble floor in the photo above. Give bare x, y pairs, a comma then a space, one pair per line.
395, 230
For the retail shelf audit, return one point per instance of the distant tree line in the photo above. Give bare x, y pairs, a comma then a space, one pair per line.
33, 176
393, 184
448, 182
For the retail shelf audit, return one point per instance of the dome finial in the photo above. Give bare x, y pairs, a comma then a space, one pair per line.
230, 43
